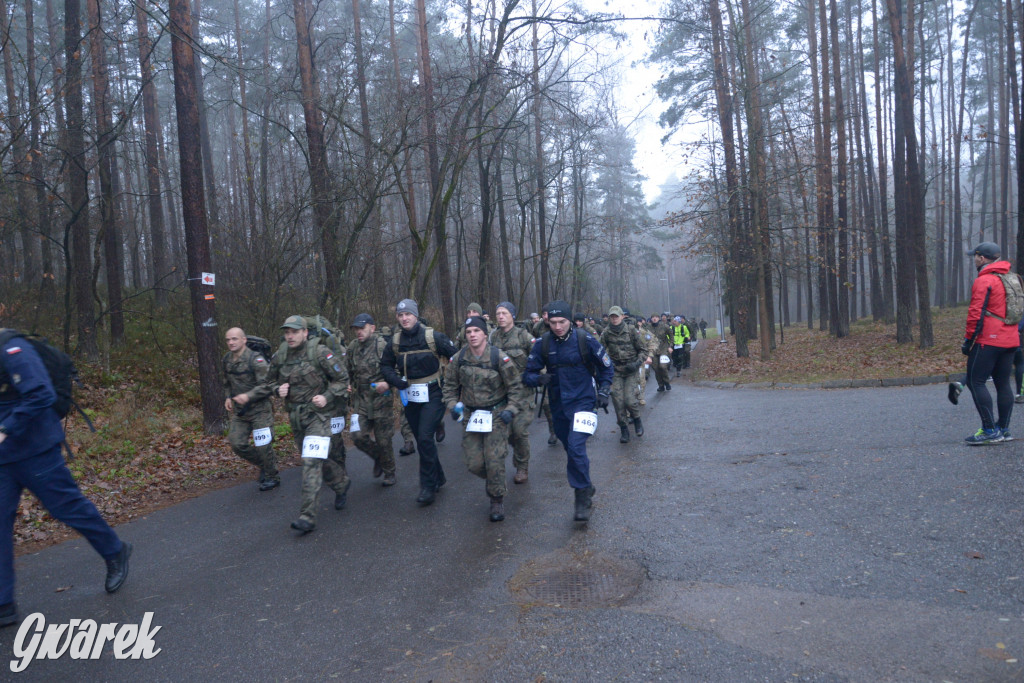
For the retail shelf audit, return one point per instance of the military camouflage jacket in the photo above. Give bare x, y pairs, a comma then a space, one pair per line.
476, 383
308, 374
624, 345
517, 343
663, 335
363, 369
246, 373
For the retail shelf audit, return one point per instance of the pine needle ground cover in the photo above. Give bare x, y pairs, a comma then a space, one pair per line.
870, 352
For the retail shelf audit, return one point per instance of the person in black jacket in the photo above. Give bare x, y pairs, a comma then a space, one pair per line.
411, 362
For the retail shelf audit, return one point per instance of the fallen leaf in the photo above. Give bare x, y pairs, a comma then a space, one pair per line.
993, 653
974, 555
63, 588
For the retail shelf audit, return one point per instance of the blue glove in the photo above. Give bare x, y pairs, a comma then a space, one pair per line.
965, 348
457, 411
506, 416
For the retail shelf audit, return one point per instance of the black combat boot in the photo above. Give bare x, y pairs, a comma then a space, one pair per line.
583, 503
439, 432
340, 498
638, 426
497, 508
408, 449
625, 434
552, 439
117, 567
303, 526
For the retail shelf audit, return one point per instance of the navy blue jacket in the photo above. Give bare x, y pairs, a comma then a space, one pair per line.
572, 387
32, 426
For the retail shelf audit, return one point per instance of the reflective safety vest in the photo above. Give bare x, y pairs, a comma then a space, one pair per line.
680, 335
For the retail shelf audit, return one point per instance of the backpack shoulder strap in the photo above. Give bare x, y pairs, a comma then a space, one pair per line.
545, 346
431, 344
585, 353
394, 343
495, 358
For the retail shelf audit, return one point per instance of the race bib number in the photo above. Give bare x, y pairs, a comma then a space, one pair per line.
678, 346
261, 437
316, 447
480, 421
584, 422
354, 423
665, 360
419, 393
337, 425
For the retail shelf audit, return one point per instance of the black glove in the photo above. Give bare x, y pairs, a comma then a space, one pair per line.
506, 416
544, 379
965, 348
602, 399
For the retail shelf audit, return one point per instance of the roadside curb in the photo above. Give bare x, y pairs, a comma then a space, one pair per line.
837, 383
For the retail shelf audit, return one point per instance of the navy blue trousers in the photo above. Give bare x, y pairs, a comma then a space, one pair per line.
48, 478
577, 466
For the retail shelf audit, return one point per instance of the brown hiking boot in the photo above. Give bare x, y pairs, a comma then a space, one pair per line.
521, 476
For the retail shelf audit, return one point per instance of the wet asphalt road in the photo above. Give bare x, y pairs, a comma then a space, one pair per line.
751, 535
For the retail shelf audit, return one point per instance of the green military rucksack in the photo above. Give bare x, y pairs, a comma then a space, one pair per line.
321, 332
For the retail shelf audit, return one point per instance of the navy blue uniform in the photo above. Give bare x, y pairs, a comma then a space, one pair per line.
30, 458
571, 390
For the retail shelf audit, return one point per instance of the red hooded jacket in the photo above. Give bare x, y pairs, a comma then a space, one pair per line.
994, 332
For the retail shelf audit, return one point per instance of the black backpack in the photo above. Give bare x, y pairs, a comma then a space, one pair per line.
581, 338
59, 367
260, 346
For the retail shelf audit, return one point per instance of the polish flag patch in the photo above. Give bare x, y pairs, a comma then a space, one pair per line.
13, 350
330, 356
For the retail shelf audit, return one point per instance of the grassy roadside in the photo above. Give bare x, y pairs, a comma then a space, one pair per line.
870, 352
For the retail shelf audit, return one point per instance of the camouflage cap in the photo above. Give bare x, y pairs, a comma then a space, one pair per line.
475, 308
615, 310
294, 322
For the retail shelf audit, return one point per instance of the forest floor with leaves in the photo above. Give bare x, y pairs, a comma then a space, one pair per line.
149, 450
805, 356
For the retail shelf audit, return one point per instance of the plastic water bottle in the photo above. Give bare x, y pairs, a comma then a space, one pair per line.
459, 407
403, 394
373, 385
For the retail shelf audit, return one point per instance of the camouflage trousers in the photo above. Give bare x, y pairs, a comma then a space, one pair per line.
661, 370
624, 398
546, 409
316, 471
641, 385
375, 439
485, 455
239, 430
519, 438
407, 434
